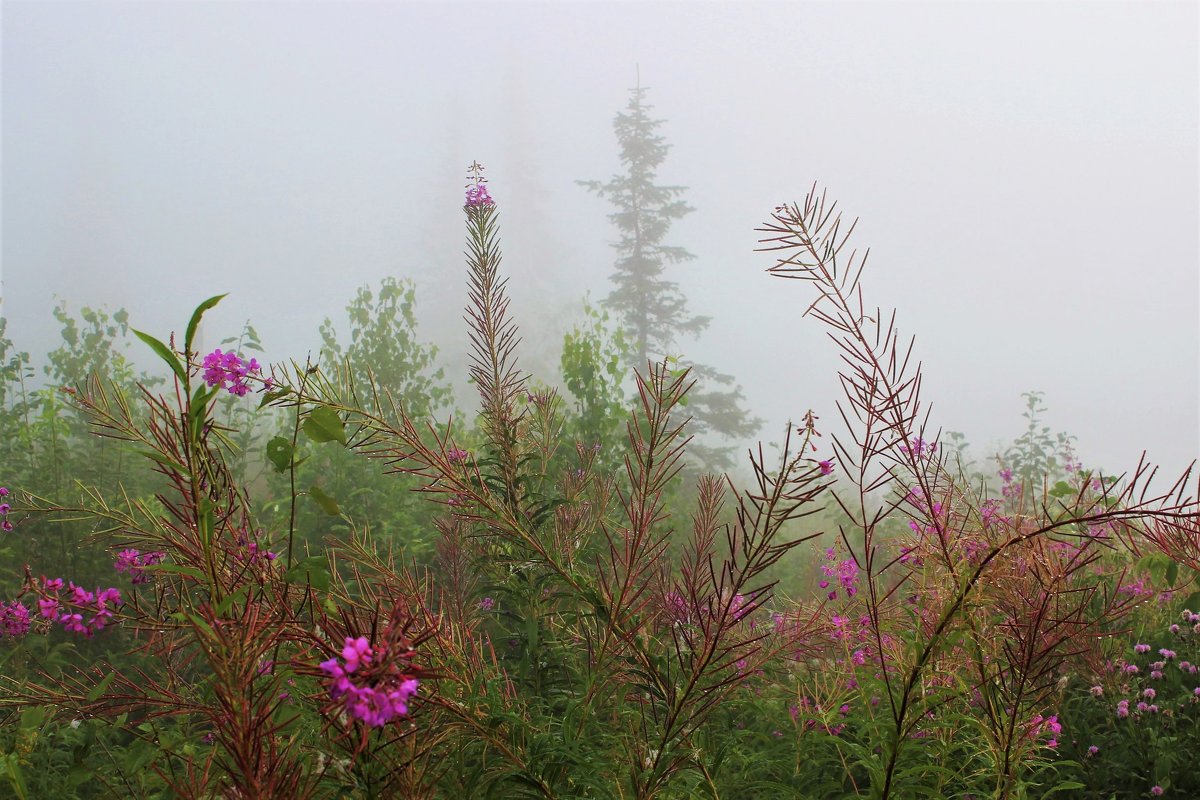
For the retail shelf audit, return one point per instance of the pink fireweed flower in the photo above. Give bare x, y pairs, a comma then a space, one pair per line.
5, 508
456, 456
229, 371
1091, 751
357, 652
375, 701
134, 562
826, 467
487, 604
251, 551
918, 447
989, 512
676, 606
1045, 726
845, 572
14, 619
478, 196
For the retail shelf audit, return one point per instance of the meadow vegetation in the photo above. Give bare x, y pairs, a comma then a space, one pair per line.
253, 579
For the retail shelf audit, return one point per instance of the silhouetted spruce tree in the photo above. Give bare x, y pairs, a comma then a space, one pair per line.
651, 308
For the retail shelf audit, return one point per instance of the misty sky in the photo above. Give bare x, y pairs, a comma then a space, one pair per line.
1026, 176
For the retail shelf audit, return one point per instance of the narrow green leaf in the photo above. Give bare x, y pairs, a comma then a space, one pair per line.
16, 779
99, 688
194, 322
166, 462
271, 397
164, 353
177, 569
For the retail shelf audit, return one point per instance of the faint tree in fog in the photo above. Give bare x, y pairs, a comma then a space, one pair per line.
650, 307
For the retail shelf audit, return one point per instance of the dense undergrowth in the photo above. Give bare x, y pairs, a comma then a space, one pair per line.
315, 580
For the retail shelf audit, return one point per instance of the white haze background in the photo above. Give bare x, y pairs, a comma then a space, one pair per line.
1026, 176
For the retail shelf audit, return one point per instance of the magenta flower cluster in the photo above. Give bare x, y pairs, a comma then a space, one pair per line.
375, 703
844, 573
477, 196
919, 447
5, 522
229, 371
677, 607
80, 611
1049, 727
14, 619
134, 562
250, 551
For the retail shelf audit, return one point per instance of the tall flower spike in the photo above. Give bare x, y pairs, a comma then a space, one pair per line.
477, 191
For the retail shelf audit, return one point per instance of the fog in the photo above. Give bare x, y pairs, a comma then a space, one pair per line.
1025, 173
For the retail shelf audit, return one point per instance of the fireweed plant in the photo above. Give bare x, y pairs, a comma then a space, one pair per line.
574, 637
984, 604
230, 645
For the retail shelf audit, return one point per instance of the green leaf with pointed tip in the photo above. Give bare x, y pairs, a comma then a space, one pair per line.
194, 322
327, 503
279, 453
166, 462
271, 397
1061, 489
164, 353
178, 569
324, 425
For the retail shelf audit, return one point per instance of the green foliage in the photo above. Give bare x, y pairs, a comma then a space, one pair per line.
593, 366
581, 625
1037, 453
384, 351
393, 372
